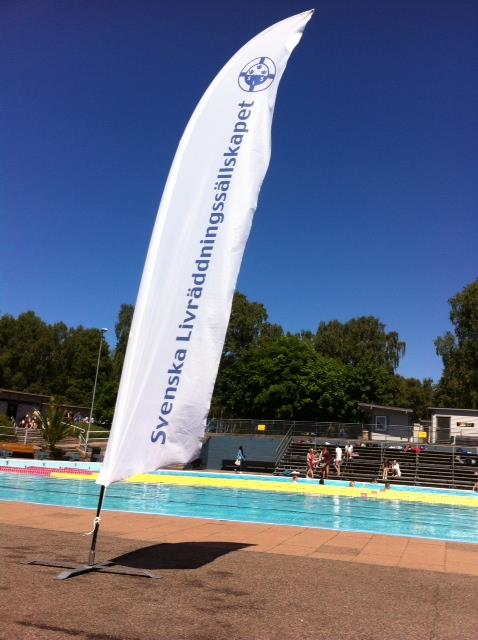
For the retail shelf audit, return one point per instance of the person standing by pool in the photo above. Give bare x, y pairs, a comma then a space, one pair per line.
240, 459
311, 461
325, 460
338, 459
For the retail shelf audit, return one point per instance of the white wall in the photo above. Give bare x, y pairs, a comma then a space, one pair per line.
457, 416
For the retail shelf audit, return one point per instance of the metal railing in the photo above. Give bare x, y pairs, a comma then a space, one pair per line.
82, 441
344, 430
7, 433
85, 440
284, 444
280, 427
420, 433
35, 435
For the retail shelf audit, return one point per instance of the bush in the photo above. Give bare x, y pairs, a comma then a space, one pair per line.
54, 426
5, 421
7, 429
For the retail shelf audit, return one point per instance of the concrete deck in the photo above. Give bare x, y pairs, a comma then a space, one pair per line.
386, 551
229, 581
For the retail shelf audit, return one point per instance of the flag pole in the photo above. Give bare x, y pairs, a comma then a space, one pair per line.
97, 521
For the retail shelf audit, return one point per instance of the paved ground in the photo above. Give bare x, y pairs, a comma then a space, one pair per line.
230, 581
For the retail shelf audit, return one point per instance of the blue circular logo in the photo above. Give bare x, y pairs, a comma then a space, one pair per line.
258, 75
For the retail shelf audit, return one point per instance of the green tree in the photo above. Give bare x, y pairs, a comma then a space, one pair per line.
80, 356
108, 392
263, 381
51, 359
416, 394
7, 354
122, 330
360, 340
287, 378
105, 402
372, 384
245, 326
458, 386
30, 351
324, 390
248, 326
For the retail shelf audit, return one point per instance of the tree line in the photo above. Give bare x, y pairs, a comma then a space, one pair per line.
264, 372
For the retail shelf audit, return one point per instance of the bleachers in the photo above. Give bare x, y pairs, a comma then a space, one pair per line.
30, 442
365, 467
30, 436
427, 468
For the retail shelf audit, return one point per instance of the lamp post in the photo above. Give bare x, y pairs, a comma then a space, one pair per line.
102, 333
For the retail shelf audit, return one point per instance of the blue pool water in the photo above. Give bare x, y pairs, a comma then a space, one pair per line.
442, 522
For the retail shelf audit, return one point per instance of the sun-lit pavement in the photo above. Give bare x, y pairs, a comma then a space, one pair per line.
390, 551
229, 581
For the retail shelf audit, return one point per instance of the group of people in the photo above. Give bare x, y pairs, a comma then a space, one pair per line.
391, 468
77, 417
321, 460
30, 421
468, 461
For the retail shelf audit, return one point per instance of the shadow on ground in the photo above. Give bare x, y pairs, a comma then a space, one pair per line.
180, 555
67, 632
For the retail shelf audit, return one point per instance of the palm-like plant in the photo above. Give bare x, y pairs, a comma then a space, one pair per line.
54, 425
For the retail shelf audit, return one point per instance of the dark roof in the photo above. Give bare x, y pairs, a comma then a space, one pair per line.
451, 409
10, 394
371, 407
7, 395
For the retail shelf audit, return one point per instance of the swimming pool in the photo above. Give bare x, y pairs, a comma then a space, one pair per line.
391, 517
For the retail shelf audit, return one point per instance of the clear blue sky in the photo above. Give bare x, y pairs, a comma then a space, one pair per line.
370, 203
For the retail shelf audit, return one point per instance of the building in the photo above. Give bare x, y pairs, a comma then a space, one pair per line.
452, 425
16, 404
395, 423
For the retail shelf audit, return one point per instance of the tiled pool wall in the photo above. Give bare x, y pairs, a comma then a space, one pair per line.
22, 463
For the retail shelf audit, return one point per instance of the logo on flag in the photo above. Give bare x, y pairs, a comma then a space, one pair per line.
258, 75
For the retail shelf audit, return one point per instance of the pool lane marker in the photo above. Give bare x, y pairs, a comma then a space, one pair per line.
285, 487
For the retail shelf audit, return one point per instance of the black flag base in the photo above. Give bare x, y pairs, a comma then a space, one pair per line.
104, 567
73, 570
